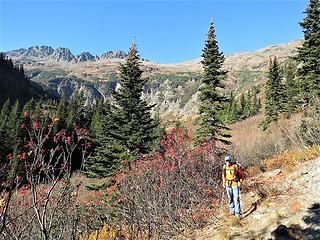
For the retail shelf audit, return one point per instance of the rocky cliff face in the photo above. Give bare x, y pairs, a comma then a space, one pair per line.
67, 86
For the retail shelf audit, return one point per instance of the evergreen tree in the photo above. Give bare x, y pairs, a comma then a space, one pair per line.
232, 109
248, 107
211, 100
255, 105
291, 90
127, 128
60, 114
3, 123
134, 127
242, 106
12, 126
109, 150
309, 53
76, 111
99, 111
274, 94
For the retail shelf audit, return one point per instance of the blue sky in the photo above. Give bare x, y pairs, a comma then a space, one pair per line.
165, 31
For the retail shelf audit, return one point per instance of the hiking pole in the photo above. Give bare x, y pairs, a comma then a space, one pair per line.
222, 198
240, 200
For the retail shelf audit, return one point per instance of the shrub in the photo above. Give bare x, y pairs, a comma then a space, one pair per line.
166, 192
40, 200
292, 158
309, 129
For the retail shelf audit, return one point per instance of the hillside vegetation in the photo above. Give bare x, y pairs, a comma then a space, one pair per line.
172, 86
101, 162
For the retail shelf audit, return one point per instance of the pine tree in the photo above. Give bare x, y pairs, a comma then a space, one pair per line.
134, 125
291, 90
248, 107
98, 112
232, 109
109, 150
3, 123
60, 114
12, 126
274, 94
255, 105
242, 106
76, 111
127, 128
309, 53
211, 128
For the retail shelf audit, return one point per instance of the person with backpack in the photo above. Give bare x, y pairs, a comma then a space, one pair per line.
232, 178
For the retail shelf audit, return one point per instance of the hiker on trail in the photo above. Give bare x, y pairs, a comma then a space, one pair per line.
232, 178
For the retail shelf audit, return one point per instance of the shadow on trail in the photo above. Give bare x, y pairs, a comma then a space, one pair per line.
312, 219
253, 208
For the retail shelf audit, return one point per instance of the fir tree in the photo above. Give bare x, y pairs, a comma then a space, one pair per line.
309, 53
127, 128
248, 107
75, 111
109, 150
3, 123
99, 110
12, 126
211, 128
274, 94
291, 90
134, 127
60, 114
256, 105
242, 106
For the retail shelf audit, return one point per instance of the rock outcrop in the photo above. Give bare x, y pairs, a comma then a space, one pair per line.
84, 56
114, 54
62, 54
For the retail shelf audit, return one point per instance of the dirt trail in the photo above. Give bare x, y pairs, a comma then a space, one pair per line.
281, 205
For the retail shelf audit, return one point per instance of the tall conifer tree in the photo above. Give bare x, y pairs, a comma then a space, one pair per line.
109, 149
274, 94
211, 128
134, 126
309, 53
127, 128
290, 90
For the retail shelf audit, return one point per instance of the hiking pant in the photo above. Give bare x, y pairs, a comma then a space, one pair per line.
234, 200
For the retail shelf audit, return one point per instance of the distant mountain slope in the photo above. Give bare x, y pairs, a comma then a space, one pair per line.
14, 85
46, 54
172, 86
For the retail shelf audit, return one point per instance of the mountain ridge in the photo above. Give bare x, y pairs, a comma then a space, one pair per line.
173, 87
60, 54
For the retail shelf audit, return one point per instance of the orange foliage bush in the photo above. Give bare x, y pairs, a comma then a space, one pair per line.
290, 159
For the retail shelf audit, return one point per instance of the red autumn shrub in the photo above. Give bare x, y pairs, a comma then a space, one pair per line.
166, 192
42, 202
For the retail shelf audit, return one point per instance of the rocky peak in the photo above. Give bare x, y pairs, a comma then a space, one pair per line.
39, 51
114, 54
85, 56
31, 52
62, 54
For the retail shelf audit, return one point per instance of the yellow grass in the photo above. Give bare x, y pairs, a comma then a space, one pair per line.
291, 159
111, 233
